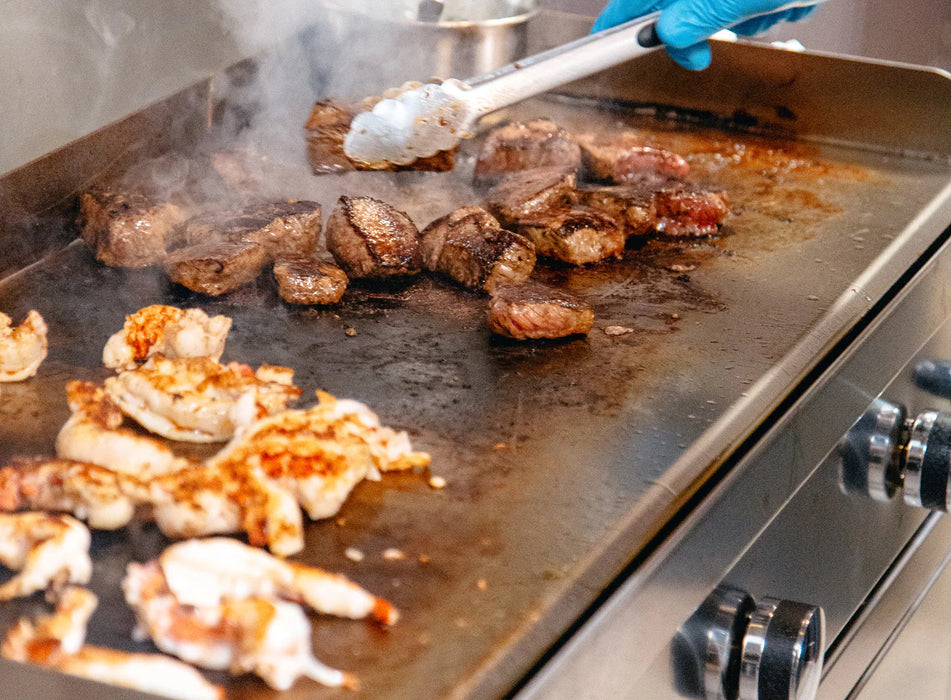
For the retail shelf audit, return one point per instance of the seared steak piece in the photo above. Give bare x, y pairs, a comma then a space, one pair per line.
326, 128
689, 213
469, 246
284, 229
369, 238
628, 204
530, 310
127, 230
216, 267
625, 157
522, 194
310, 281
516, 146
576, 235
433, 237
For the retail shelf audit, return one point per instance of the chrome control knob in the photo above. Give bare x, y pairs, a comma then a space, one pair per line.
870, 454
927, 472
733, 649
782, 651
708, 645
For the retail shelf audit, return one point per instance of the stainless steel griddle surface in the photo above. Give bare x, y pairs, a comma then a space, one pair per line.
562, 459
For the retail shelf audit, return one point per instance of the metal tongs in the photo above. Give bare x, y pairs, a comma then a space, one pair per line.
424, 121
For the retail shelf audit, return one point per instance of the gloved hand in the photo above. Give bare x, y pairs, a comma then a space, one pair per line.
685, 24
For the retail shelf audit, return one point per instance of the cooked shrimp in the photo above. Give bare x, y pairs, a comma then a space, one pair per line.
320, 454
168, 331
57, 641
94, 434
63, 632
218, 500
23, 348
48, 551
104, 499
209, 571
270, 638
196, 399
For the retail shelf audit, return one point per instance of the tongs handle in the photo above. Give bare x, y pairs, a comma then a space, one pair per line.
563, 64
575, 60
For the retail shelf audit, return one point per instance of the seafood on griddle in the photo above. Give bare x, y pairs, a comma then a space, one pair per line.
48, 551
471, 247
321, 453
310, 281
127, 229
531, 311
211, 570
166, 330
22, 348
225, 499
57, 641
252, 634
95, 433
518, 146
196, 399
102, 498
371, 239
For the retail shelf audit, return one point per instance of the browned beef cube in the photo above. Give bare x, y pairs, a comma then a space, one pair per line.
522, 194
370, 239
216, 267
628, 204
689, 213
516, 146
327, 127
127, 230
284, 229
310, 281
433, 237
529, 311
626, 157
469, 246
576, 235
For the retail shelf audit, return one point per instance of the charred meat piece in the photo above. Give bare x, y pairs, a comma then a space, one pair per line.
689, 213
539, 143
626, 158
524, 194
370, 239
628, 204
127, 230
469, 246
283, 229
530, 311
576, 235
310, 281
216, 267
326, 128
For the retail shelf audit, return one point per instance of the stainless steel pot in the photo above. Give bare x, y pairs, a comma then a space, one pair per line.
389, 42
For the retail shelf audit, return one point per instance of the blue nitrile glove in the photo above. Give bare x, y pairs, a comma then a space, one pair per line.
685, 24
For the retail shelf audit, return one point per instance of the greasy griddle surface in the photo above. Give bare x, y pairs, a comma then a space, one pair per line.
546, 447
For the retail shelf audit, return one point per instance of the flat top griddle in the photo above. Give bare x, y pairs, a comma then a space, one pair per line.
563, 460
